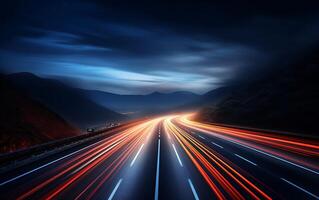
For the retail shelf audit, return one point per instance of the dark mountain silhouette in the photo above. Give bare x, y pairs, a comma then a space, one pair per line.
210, 98
25, 122
141, 104
283, 99
64, 100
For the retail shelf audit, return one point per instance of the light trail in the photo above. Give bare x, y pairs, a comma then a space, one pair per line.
45, 165
286, 147
85, 172
54, 161
93, 159
88, 161
107, 172
197, 152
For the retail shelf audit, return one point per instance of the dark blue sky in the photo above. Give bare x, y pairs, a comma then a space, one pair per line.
141, 47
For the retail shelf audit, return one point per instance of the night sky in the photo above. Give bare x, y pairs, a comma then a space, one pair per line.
141, 47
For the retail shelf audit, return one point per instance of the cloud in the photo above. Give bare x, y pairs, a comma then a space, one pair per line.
142, 47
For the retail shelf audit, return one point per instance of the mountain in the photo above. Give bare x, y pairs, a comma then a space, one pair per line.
285, 99
64, 100
208, 99
140, 104
25, 122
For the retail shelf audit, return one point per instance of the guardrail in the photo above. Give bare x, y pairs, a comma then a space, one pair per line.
8, 158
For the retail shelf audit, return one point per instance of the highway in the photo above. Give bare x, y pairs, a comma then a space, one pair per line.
173, 157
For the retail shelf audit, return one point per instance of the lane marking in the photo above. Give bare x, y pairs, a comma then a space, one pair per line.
157, 169
178, 158
246, 159
115, 189
202, 137
133, 161
193, 189
278, 158
45, 165
217, 145
300, 188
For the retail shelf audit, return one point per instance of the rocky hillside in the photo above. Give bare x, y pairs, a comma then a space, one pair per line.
286, 99
25, 122
63, 100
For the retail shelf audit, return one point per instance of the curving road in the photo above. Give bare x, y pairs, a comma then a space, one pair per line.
173, 157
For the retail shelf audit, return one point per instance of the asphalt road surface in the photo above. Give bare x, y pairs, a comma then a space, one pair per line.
173, 157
